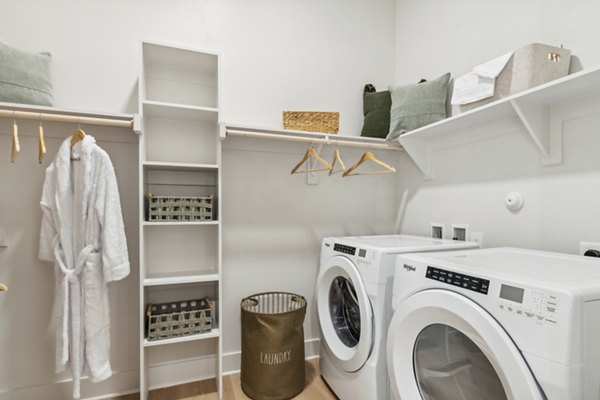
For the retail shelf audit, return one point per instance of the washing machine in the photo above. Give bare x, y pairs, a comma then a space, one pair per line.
495, 324
353, 296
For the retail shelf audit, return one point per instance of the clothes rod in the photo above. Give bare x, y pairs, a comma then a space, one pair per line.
69, 118
325, 140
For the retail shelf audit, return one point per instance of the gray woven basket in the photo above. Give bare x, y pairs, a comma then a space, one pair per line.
177, 208
181, 318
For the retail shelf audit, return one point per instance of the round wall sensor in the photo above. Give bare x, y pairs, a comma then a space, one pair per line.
513, 201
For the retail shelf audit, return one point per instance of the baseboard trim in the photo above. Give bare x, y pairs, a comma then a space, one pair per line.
120, 383
127, 382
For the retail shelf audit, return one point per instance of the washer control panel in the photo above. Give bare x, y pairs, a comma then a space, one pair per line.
359, 256
531, 304
344, 249
464, 281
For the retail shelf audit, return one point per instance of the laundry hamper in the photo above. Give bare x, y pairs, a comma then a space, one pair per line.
273, 345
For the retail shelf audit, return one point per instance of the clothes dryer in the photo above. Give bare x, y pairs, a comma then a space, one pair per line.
353, 295
495, 324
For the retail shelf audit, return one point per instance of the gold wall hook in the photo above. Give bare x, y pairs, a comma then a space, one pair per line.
3, 287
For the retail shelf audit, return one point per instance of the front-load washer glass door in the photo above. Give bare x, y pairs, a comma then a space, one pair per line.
345, 313
444, 346
450, 366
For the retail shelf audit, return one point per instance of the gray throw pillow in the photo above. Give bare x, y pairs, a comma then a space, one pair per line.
417, 105
24, 77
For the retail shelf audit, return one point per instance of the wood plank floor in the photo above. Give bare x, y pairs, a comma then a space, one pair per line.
314, 388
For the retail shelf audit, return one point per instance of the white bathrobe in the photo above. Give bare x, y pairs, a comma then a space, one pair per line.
83, 234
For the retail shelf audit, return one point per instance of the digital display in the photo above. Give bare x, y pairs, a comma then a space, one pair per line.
512, 293
362, 253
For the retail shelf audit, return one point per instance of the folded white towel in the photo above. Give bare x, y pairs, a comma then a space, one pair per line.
492, 68
472, 87
479, 84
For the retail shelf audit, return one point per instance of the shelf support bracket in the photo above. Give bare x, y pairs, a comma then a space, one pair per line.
541, 127
422, 154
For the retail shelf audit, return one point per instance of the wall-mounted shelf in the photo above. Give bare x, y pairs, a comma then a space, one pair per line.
306, 137
536, 110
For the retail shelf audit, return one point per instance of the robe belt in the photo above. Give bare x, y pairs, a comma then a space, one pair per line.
72, 285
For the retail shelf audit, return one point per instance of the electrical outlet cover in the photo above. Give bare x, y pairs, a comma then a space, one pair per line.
477, 237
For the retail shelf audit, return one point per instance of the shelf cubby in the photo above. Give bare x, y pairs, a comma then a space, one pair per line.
179, 75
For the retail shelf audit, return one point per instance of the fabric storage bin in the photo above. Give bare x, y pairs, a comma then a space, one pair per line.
173, 208
529, 66
181, 318
273, 345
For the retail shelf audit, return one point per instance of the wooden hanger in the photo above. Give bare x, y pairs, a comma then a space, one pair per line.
337, 159
77, 136
41, 144
16, 147
311, 153
369, 156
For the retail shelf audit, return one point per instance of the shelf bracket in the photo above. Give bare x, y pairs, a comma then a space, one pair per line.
422, 154
542, 128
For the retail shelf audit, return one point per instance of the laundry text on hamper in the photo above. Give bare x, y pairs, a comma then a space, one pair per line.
276, 358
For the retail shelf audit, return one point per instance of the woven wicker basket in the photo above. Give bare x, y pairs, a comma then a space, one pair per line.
176, 208
181, 318
312, 121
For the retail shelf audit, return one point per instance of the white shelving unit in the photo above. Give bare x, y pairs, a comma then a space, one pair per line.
180, 155
539, 111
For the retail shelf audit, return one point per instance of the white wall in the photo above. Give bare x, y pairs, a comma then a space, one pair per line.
276, 55
560, 209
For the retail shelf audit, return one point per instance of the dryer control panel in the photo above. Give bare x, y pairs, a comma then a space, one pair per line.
536, 305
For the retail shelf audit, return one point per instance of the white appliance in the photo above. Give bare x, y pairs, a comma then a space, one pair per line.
495, 324
354, 306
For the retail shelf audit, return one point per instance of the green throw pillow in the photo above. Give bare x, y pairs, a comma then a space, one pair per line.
417, 105
24, 77
376, 108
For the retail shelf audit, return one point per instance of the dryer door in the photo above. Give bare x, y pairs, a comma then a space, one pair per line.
442, 345
345, 313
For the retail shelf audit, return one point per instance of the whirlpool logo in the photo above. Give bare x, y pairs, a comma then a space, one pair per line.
409, 268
